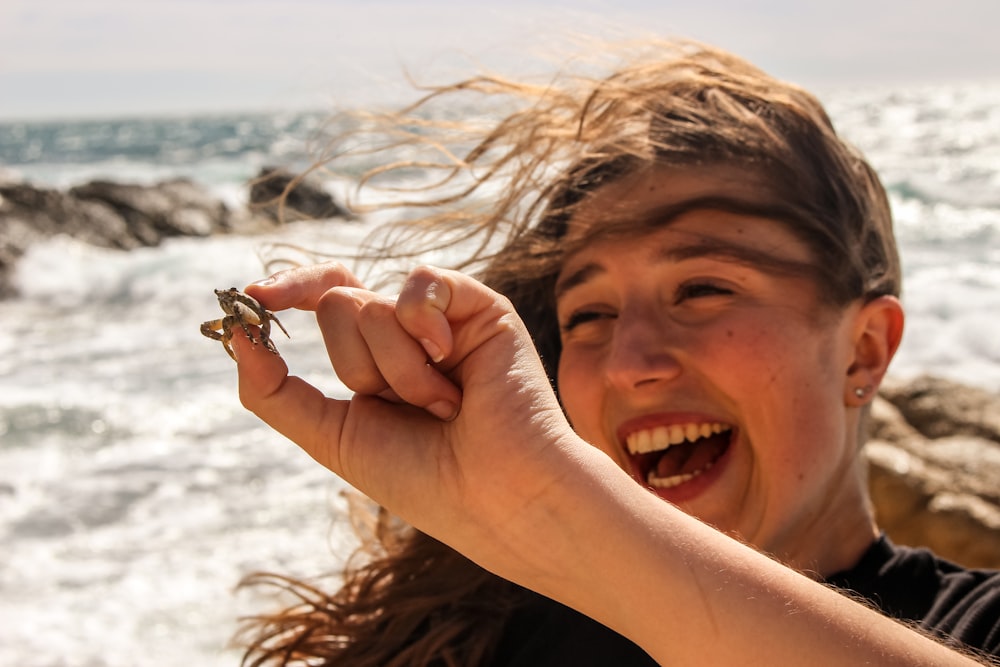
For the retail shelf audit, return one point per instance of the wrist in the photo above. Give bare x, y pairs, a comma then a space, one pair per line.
563, 540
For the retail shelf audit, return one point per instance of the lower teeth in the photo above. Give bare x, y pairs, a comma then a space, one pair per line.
674, 480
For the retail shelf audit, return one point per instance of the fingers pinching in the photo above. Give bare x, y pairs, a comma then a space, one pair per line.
301, 287
396, 349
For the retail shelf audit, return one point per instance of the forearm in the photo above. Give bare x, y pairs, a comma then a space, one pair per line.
690, 595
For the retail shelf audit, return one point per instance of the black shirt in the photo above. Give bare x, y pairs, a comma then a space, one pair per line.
907, 584
941, 597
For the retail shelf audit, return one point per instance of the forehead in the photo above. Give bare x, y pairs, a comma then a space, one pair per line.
652, 193
723, 213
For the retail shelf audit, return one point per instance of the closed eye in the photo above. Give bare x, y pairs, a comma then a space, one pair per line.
700, 289
581, 317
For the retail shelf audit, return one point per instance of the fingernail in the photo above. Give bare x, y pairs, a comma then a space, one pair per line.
432, 350
444, 410
270, 280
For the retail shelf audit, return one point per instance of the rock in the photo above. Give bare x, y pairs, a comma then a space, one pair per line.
934, 468
112, 215
152, 213
936, 408
304, 197
128, 215
29, 214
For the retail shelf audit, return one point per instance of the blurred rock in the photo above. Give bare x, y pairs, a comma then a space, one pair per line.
112, 215
152, 213
934, 468
29, 214
938, 408
287, 197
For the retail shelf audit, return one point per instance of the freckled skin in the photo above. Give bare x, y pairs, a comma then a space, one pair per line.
243, 310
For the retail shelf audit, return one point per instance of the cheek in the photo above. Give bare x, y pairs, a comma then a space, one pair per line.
579, 392
770, 354
798, 404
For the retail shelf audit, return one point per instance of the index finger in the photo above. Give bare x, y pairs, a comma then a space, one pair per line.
301, 287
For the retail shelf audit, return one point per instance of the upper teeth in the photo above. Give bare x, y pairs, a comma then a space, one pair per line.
662, 437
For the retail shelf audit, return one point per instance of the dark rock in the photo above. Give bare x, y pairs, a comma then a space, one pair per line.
127, 215
111, 215
934, 469
286, 197
28, 214
152, 213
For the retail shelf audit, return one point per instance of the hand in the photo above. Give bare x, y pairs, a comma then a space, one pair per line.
453, 425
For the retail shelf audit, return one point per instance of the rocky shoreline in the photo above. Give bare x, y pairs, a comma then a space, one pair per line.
934, 468
127, 215
934, 451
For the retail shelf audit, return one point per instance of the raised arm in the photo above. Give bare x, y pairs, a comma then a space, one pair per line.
454, 428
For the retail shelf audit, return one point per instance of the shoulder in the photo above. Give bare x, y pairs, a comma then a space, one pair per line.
912, 584
965, 604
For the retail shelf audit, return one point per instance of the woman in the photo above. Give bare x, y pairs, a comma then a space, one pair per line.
710, 284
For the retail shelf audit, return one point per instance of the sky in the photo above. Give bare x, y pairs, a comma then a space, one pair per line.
93, 58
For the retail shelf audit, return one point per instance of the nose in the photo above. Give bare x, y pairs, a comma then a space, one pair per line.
643, 350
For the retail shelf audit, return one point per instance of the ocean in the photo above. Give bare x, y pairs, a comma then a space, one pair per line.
135, 491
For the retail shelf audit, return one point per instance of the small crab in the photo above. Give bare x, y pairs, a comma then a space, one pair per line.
243, 310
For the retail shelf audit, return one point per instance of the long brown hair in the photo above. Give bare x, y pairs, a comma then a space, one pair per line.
403, 599
502, 189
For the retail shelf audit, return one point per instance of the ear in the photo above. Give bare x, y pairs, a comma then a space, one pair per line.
878, 329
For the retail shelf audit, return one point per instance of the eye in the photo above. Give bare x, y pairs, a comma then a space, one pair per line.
581, 317
700, 289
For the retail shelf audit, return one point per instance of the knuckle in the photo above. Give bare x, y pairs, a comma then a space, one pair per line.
335, 273
332, 301
376, 314
361, 379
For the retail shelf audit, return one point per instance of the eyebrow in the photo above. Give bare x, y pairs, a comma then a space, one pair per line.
704, 246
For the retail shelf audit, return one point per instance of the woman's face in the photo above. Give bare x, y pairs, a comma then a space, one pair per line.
704, 363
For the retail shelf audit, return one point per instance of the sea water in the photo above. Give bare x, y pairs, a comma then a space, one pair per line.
135, 491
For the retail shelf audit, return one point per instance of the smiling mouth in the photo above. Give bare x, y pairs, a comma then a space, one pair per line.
668, 456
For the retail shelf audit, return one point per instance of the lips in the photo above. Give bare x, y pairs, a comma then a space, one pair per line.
665, 457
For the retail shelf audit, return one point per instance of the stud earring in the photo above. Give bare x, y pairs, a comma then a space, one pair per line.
861, 392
